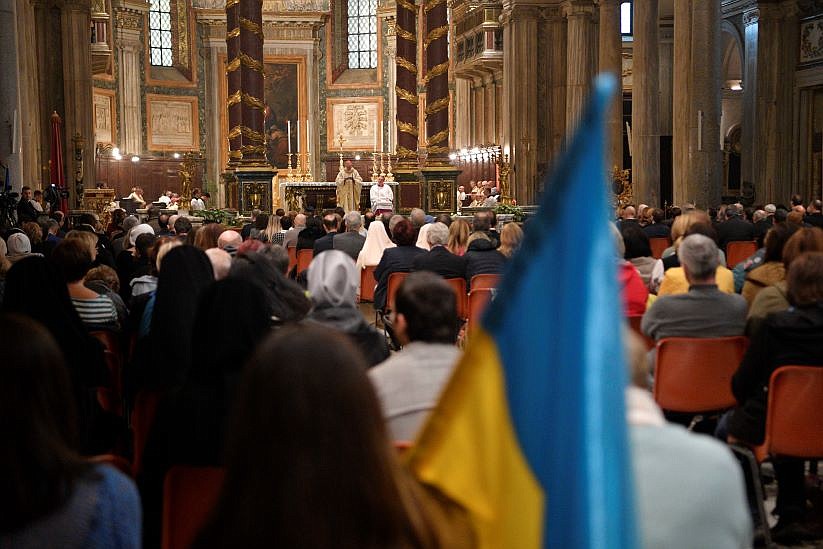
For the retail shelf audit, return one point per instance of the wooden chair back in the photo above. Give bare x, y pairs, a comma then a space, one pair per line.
367, 284
458, 285
484, 281
304, 258
394, 282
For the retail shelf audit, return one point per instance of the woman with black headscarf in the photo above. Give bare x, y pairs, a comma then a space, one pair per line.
287, 300
164, 357
35, 288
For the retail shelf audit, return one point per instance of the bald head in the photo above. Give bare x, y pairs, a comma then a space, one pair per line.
300, 221
220, 262
229, 239
629, 212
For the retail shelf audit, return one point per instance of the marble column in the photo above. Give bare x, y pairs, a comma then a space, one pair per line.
77, 90
580, 58
406, 86
463, 121
645, 104
438, 100
520, 25
697, 155
488, 111
771, 107
610, 59
554, 57
245, 67
129, 17
748, 150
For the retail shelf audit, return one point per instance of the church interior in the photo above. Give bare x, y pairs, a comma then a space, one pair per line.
720, 100
403, 273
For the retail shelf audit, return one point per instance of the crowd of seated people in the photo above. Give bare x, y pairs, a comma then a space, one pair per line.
285, 383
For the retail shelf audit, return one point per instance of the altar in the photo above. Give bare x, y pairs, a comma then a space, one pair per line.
321, 195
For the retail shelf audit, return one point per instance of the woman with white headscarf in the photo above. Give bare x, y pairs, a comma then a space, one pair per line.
333, 279
19, 247
377, 240
422, 240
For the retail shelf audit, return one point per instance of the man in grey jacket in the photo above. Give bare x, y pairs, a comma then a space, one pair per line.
409, 383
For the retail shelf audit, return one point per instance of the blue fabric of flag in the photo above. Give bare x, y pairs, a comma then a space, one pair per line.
557, 324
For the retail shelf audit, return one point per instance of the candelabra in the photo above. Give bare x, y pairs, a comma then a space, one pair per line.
290, 172
382, 165
389, 175
374, 173
307, 176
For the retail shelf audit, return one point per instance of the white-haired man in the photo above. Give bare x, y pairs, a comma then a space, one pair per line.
351, 241
439, 259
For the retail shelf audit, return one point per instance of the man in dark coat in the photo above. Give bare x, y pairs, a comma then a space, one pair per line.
734, 228
440, 260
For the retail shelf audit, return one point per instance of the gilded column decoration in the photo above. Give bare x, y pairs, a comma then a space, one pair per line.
436, 48
244, 41
406, 80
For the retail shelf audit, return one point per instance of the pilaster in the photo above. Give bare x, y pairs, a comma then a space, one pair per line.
128, 29
580, 58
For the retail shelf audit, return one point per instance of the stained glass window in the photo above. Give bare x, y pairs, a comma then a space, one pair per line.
160, 33
626, 19
362, 34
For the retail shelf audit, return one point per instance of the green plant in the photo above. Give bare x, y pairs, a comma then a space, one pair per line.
510, 209
229, 219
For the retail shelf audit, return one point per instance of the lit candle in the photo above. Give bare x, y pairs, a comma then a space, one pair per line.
289, 130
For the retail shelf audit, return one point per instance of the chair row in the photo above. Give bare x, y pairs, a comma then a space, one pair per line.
736, 251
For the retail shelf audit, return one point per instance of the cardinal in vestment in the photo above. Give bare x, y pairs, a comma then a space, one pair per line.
349, 184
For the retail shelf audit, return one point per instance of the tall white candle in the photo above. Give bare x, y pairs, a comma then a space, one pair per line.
308, 136
298, 136
382, 131
375, 136
289, 130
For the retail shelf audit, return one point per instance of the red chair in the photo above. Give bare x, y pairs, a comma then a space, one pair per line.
367, 284
484, 281
693, 375
142, 418
478, 300
634, 323
108, 339
402, 446
794, 417
459, 287
304, 258
737, 251
394, 282
292, 251
189, 495
659, 245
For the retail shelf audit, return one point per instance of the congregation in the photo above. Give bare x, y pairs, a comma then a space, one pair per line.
159, 344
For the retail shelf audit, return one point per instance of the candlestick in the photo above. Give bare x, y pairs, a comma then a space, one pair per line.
374, 173
389, 175
382, 165
290, 173
307, 176
289, 130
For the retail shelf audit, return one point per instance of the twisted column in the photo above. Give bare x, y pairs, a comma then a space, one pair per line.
244, 41
436, 48
406, 80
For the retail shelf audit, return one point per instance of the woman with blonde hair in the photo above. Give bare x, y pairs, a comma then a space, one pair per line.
458, 237
510, 238
274, 231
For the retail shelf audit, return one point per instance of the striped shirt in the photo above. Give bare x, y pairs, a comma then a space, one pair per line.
96, 311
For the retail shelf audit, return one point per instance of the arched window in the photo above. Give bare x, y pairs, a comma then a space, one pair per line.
362, 34
160, 42
626, 18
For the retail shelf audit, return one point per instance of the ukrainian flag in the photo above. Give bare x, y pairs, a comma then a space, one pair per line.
530, 434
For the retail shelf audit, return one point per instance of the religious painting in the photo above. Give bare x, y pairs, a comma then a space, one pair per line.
811, 41
172, 122
104, 116
282, 82
357, 123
